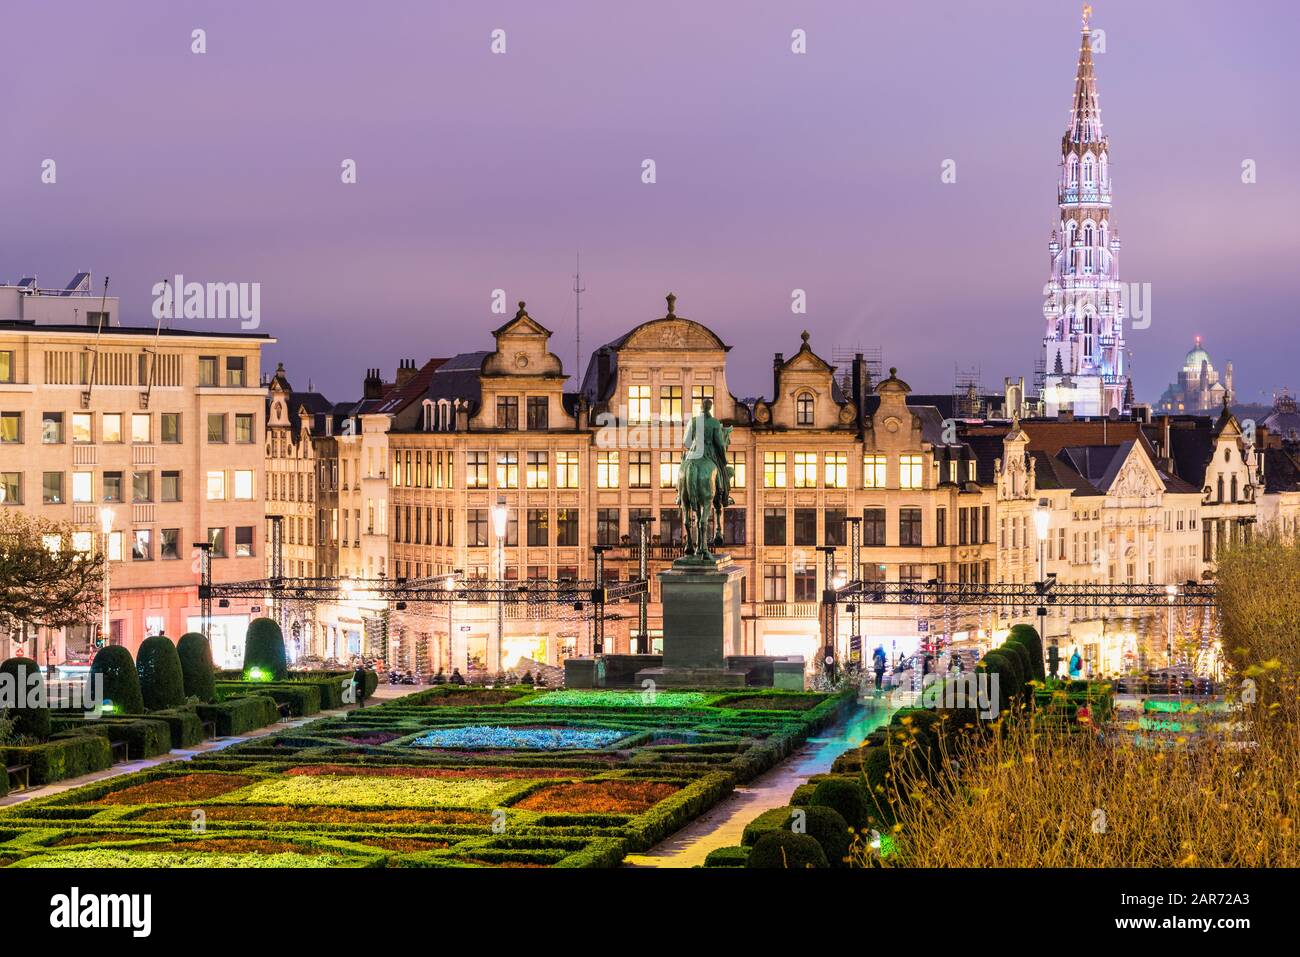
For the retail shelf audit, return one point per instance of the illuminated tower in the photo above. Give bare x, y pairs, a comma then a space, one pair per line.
1083, 349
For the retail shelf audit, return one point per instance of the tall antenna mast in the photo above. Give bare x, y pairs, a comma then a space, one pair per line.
578, 290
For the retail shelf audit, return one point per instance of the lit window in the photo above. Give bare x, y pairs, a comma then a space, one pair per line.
216, 486
670, 464
140, 431
111, 425
476, 470
698, 394
82, 486
538, 472
638, 403
670, 403
81, 427
85, 541
243, 485
873, 471
909, 471
507, 470
837, 470
606, 470
737, 462
773, 470
805, 470
566, 469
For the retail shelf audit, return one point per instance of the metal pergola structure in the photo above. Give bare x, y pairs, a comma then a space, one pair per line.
856, 593
590, 596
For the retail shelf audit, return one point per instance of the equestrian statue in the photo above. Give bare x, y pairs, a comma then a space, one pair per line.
704, 482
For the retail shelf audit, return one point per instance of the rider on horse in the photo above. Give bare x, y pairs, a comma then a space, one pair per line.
706, 437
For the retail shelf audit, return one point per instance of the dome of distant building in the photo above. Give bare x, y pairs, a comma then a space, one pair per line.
1284, 420
1195, 357
1199, 387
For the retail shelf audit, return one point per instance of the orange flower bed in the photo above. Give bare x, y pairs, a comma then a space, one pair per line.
598, 797
444, 773
233, 845
405, 845
330, 815
184, 787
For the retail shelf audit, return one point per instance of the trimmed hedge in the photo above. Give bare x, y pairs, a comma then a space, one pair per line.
236, 716
302, 697
727, 857
144, 737
184, 723
67, 754
784, 849
196, 666
162, 684
31, 722
121, 680
264, 649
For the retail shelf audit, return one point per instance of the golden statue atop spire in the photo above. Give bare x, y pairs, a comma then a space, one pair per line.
1087, 14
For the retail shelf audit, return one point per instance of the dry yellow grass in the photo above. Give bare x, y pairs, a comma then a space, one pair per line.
1026, 797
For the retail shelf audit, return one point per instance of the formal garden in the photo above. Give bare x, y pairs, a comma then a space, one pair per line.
444, 777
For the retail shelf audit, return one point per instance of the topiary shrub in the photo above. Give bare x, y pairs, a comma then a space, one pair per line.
1027, 635
196, 667
29, 684
121, 680
159, 666
264, 651
876, 772
823, 824
1007, 671
1014, 649
784, 849
847, 797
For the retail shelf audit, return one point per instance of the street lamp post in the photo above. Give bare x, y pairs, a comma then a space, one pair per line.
1042, 524
500, 515
1171, 593
451, 641
105, 526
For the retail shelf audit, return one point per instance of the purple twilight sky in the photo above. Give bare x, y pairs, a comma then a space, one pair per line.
775, 171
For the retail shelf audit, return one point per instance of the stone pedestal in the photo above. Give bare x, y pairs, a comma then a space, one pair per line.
701, 603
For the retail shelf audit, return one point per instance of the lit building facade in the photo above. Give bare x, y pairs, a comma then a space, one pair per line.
1083, 348
161, 428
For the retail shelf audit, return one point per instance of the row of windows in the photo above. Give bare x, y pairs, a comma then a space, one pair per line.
541, 469
670, 403
236, 484
972, 527
113, 428
168, 545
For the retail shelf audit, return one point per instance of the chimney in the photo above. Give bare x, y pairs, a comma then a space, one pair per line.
602, 374
405, 372
373, 386
861, 385
778, 360
1065, 414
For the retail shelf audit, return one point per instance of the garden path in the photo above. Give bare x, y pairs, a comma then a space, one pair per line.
722, 825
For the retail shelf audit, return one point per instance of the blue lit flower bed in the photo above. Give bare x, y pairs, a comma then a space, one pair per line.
492, 737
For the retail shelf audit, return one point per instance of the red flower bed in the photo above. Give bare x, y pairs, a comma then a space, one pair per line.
182, 787
598, 797
373, 737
